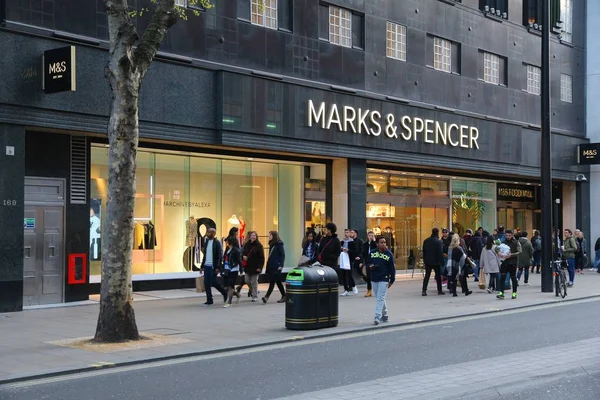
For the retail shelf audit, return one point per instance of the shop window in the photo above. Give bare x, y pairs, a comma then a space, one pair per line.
396, 41
341, 26
473, 205
498, 8
179, 196
566, 88
534, 77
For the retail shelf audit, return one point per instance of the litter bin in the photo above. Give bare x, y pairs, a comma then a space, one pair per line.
312, 298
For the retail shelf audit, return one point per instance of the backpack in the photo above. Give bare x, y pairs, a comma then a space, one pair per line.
537, 244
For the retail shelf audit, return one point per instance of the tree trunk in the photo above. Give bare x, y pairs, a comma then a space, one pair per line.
125, 71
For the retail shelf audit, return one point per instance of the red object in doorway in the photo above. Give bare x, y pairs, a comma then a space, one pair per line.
77, 273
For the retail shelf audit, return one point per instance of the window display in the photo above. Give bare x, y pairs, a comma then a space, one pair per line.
473, 205
180, 196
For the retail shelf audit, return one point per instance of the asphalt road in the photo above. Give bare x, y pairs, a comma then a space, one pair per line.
313, 366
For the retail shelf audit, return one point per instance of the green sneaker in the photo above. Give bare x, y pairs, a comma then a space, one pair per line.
500, 296
514, 295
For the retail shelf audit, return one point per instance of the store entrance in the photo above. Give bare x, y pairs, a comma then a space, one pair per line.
520, 219
405, 227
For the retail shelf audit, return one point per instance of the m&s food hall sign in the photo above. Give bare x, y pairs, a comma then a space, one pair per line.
373, 123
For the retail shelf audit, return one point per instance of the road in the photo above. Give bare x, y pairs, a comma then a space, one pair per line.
544, 353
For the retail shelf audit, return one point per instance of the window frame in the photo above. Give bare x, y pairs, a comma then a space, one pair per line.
267, 7
534, 80
344, 41
566, 88
566, 12
396, 46
181, 3
490, 74
443, 61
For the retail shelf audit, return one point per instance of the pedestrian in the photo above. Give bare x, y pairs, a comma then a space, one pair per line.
509, 265
474, 253
597, 259
275, 262
569, 249
347, 257
329, 247
309, 248
359, 247
580, 254
455, 267
253, 260
433, 259
211, 264
383, 275
524, 259
536, 243
500, 234
490, 263
446, 239
232, 260
368, 246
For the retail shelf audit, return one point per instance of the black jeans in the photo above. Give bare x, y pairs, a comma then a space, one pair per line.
512, 271
452, 282
438, 277
347, 279
493, 284
366, 278
272, 286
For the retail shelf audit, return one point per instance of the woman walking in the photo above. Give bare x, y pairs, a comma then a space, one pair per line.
253, 260
454, 266
309, 248
275, 266
490, 263
231, 269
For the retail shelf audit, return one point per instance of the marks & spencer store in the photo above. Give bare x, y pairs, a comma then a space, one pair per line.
228, 147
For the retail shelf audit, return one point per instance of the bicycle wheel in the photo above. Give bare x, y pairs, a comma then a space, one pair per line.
562, 287
556, 285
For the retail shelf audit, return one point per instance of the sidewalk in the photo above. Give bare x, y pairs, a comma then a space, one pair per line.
25, 349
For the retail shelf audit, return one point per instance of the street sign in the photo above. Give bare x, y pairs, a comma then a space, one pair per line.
29, 223
588, 154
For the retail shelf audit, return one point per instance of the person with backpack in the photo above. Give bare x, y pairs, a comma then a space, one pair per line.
524, 259
569, 249
536, 243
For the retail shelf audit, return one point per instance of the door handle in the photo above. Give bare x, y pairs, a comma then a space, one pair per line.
51, 251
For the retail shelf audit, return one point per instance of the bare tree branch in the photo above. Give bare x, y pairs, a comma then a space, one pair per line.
165, 16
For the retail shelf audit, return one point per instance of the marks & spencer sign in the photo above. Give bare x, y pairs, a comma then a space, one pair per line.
390, 126
59, 70
589, 154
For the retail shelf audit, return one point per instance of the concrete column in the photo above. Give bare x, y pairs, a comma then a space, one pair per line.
340, 194
569, 206
357, 200
592, 55
12, 180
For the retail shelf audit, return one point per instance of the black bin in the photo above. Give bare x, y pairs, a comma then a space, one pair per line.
312, 298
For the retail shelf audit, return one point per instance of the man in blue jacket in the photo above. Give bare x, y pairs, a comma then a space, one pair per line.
383, 275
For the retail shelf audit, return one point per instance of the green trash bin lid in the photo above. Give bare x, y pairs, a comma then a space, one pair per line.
295, 277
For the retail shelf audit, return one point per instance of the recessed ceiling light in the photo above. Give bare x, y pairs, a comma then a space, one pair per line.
516, 183
529, 184
404, 173
385, 172
421, 175
250, 159
453, 177
438, 176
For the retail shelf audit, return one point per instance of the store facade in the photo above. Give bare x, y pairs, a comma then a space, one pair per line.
325, 134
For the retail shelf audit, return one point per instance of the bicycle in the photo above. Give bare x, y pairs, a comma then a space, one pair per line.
560, 278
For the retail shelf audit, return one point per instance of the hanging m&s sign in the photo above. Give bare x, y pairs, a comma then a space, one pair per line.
59, 70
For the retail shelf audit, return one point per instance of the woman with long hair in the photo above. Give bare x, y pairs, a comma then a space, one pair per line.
490, 263
275, 266
231, 268
253, 260
455, 266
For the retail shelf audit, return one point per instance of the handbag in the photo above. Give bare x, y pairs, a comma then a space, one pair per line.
469, 267
245, 262
481, 279
319, 258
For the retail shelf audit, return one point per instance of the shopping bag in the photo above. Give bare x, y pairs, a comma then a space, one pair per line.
200, 285
481, 279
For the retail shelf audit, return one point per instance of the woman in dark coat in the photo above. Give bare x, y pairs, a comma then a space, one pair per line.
275, 266
253, 260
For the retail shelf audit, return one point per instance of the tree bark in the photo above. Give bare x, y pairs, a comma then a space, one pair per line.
125, 71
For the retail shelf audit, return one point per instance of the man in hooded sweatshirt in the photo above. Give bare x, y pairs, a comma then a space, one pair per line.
383, 275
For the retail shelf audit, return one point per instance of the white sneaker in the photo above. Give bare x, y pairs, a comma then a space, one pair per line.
345, 294
355, 290
527, 284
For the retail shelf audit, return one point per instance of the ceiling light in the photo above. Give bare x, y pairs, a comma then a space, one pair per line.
250, 159
438, 176
385, 172
404, 173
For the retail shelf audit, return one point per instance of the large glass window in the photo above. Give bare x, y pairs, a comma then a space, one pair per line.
473, 205
179, 196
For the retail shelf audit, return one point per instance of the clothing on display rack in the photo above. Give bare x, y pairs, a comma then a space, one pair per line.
144, 236
191, 231
149, 236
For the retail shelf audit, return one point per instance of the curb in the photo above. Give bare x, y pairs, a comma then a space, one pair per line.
370, 328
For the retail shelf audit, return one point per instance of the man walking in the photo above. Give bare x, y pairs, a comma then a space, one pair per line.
524, 259
213, 257
569, 250
433, 260
383, 275
368, 246
509, 266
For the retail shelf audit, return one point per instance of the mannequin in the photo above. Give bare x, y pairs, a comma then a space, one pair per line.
191, 235
95, 236
242, 230
232, 222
